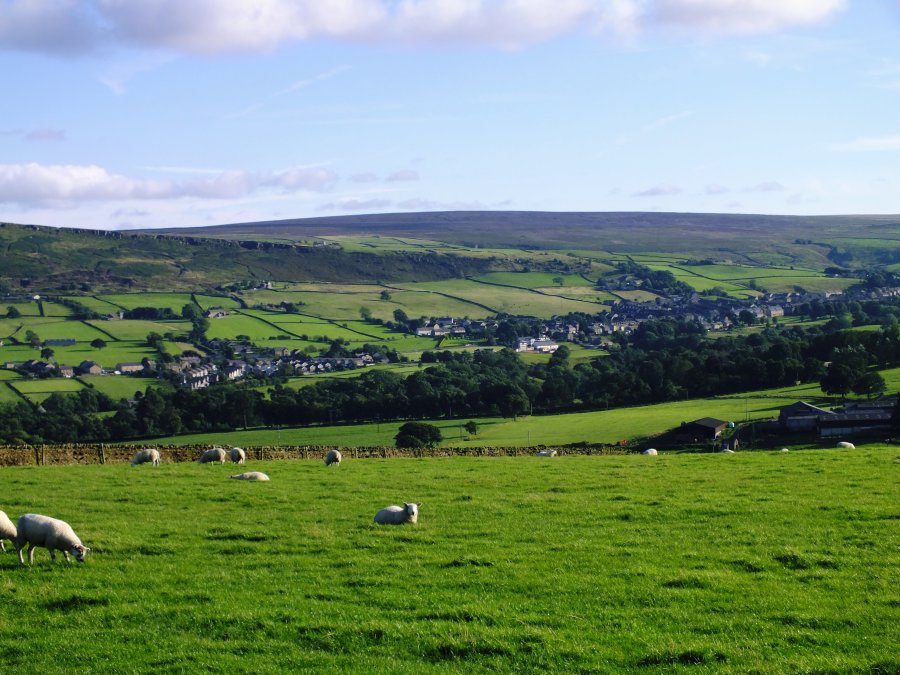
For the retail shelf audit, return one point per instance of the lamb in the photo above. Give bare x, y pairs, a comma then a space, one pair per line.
398, 515
50, 533
846, 445
250, 475
650, 451
238, 456
333, 457
7, 530
212, 455
545, 453
146, 455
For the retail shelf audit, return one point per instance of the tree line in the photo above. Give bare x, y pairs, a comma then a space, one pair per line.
662, 361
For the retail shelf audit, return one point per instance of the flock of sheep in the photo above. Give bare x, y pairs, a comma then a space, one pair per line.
56, 535
42, 531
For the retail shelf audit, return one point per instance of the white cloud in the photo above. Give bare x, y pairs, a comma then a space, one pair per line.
356, 205
367, 177
872, 144
63, 184
211, 27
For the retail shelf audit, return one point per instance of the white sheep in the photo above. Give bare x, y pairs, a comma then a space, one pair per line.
846, 445
545, 453
333, 457
784, 450
238, 456
650, 451
146, 455
212, 455
50, 533
7, 530
727, 451
250, 475
398, 515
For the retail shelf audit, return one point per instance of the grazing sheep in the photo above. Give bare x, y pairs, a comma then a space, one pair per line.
398, 515
146, 455
333, 457
727, 451
50, 533
650, 451
785, 450
7, 530
545, 453
250, 475
238, 456
212, 455
847, 445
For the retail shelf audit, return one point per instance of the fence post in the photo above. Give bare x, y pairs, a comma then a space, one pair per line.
102, 454
43, 458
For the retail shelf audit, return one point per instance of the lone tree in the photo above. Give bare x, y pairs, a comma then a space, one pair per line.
869, 385
98, 343
13, 312
417, 435
47, 353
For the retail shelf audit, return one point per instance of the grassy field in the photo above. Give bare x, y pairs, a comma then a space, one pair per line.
136, 329
173, 301
756, 562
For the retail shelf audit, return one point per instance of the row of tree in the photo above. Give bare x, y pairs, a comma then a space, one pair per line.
664, 360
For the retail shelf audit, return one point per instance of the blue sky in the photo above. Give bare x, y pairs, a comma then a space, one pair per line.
164, 113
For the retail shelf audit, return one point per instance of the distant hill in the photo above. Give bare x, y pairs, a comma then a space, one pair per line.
78, 260
816, 241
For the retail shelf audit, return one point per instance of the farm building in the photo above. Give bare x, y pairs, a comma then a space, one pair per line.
801, 416
703, 429
128, 368
845, 424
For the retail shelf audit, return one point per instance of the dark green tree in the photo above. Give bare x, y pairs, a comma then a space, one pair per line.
418, 435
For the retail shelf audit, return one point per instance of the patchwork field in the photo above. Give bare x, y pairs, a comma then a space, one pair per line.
755, 562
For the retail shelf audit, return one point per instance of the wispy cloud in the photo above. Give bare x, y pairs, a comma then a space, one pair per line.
715, 189
872, 144
403, 175
294, 86
662, 190
767, 186
36, 135
66, 27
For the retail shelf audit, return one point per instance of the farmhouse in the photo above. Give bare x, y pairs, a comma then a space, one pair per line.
543, 345
216, 314
130, 368
89, 368
67, 371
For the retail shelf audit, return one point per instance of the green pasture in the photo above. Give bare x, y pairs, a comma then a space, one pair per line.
25, 308
577, 354
37, 390
229, 327
119, 386
13, 327
173, 301
7, 393
95, 304
494, 299
9, 375
54, 309
137, 329
109, 356
637, 296
209, 301
586, 293
532, 279
755, 562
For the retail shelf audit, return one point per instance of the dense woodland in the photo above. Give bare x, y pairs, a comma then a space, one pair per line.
663, 360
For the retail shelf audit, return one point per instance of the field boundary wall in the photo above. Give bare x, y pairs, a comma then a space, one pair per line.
101, 453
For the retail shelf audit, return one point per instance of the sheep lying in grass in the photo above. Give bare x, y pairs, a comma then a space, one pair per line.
847, 445
50, 533
212, 455
146, 455
545, 453
7, 530
238, 456
250, 475
650, 451
398, 515
727, 451
333, 457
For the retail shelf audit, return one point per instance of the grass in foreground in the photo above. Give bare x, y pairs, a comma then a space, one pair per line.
766, 562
